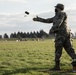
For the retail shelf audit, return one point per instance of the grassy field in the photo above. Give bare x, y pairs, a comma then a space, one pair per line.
31, 58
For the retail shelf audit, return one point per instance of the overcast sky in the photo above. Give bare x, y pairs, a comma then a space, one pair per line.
12, 14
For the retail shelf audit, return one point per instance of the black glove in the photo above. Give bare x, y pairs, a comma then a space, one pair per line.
36, 18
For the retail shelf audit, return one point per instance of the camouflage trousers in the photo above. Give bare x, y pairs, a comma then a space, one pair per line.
63, 42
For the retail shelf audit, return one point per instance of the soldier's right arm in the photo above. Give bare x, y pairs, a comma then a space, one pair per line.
49, 20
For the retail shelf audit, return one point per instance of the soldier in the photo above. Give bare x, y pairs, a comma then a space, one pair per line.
62, 34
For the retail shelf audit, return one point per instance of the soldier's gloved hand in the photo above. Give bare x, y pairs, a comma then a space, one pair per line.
36, 18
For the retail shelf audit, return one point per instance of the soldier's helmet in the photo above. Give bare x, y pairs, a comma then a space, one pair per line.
61, 6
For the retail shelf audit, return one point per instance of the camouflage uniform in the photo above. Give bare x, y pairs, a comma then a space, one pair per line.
62, 34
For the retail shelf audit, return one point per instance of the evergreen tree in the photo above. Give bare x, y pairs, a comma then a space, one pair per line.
34, 34
5, 35
11, 35
28, 35
14, 35
0, 36
19, 36
25, 36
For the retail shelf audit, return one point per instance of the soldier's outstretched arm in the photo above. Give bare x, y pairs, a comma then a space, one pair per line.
39, 19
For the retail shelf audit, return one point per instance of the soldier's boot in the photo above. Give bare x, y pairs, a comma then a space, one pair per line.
57, 66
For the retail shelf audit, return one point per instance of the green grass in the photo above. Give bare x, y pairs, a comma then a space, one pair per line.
31, 58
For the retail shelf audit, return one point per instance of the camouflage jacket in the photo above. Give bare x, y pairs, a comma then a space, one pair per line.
59, 23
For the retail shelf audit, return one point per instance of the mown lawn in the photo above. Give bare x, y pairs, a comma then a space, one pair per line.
31, 58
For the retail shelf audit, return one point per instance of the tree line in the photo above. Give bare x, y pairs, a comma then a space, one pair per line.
38, 34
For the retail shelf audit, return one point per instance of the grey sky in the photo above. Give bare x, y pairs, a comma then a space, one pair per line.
12, 14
